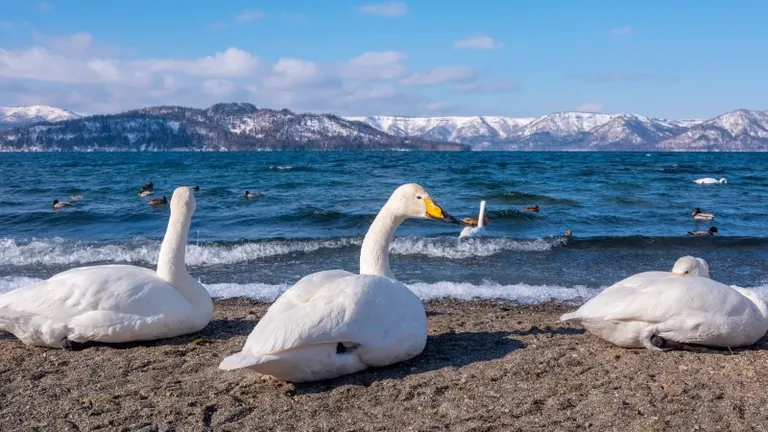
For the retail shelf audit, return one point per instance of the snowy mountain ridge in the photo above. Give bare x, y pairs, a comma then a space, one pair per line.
12, 116
233, 126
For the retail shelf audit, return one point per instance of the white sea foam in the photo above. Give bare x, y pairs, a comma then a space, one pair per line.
488, 290
523, 293
57, 251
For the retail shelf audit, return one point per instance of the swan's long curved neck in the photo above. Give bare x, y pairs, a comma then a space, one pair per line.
170, 264
481, 217
374, 254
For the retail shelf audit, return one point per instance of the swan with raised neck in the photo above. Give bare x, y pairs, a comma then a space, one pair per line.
407, 201
171, 264
114, 303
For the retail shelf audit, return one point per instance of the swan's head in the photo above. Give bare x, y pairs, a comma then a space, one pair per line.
413, 201
691, 266
183, 200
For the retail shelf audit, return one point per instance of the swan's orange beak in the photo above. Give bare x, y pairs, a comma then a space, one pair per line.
434, 211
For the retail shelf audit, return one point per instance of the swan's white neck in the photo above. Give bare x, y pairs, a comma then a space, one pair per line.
171, 266
374, 255
481, 218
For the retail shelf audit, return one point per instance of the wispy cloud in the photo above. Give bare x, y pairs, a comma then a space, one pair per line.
620, 76
45, 6
243, 17
479, 43
488, 87
249, 16
441, 75
393, 8
590, 107
620, 31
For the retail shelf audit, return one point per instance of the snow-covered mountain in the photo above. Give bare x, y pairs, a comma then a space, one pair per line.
221, 127
738, 131
242, 126
13, 116
479, 131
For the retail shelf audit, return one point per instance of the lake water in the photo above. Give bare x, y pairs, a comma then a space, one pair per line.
629, 212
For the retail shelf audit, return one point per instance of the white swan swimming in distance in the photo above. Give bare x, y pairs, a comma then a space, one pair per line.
710, 180
114, 303
481, 218
335, 322
684, 309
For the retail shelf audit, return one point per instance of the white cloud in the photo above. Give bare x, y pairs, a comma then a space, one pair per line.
290, 73
590, 107
392, 8
441, 75
218, 88
78, 73
233, 62
377, 65
249, 16
479, 43
620, 31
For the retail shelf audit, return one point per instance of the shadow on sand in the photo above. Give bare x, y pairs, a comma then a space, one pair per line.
450, 349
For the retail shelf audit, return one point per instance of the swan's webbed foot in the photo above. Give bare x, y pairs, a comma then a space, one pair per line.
666, 344
343, 349
70, 345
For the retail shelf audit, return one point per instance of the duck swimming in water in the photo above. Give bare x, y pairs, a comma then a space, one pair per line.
248, 194
145, 193
157, 201
712, 231
61, 204
534, 208
698, 215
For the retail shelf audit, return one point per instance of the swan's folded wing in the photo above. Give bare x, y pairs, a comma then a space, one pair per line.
354, 309
674, 297
82, 289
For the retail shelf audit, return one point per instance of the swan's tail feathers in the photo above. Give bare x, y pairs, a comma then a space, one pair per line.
239, 360
572, 317
13, 321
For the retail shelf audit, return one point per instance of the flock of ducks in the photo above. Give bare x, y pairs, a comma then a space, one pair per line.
336, 322
146, 190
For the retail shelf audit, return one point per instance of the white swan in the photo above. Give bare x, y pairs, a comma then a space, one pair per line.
684, 309
710, 180
114, 303
480, 228
334, 323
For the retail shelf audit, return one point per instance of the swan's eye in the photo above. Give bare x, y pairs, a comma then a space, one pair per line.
418, 196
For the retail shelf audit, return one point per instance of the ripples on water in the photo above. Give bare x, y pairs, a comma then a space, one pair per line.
628, 211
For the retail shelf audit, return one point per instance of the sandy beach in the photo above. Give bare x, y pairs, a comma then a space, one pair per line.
487, 366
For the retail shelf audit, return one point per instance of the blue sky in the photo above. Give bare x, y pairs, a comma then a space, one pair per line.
673, 59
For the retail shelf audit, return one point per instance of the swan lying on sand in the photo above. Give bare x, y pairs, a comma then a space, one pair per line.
682, 309
114, 303
333, 323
